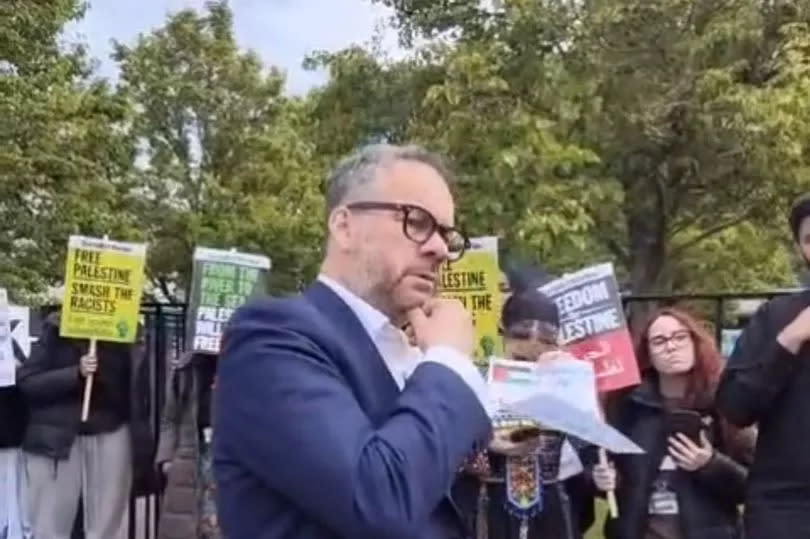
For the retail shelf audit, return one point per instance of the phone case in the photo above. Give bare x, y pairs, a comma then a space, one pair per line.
686, 422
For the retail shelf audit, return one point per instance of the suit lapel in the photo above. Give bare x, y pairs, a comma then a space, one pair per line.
377, 390
364, 357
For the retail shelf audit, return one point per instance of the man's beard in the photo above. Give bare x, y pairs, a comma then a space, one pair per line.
370, 284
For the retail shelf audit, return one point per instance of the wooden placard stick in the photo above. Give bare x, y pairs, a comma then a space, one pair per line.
88, 383
610, 495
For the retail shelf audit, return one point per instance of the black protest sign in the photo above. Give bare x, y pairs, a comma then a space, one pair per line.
221, 282
588, 302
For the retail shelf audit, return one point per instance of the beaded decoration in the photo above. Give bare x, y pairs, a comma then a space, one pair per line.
524, 490
524, 487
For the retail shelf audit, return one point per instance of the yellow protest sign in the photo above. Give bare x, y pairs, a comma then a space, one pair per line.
103, 285
475, 281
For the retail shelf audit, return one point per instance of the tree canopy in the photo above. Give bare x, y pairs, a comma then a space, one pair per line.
669, 136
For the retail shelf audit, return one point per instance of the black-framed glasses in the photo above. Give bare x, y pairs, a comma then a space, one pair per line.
678, 339
419, 225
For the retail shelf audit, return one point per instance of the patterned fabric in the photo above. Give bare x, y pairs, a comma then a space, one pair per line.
524, 489
521, 480
209, 527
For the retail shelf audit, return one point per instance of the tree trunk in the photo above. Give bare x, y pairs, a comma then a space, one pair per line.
646, 225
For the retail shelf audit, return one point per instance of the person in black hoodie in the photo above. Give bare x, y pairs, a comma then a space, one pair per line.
67, 459
767, 382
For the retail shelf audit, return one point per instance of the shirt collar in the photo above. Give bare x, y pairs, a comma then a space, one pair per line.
373, 321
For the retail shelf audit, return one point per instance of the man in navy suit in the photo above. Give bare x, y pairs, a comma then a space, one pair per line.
328, 424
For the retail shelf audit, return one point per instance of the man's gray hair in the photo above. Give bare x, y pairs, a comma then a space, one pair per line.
360, 169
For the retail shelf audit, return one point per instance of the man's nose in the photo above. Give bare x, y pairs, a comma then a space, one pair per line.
436, 247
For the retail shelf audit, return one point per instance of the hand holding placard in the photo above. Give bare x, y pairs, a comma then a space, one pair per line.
88, 365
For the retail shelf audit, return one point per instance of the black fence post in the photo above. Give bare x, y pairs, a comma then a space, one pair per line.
719, 314
164, 336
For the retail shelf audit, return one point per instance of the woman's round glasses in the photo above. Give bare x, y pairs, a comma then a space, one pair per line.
678, 339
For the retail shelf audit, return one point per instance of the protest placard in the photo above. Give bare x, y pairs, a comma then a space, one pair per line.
593, 326
474, 280
221, 282
103, 286
559, 394
8, 366
564, 377
19, 322
559, 414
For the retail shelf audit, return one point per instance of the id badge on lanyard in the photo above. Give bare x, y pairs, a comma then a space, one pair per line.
664, 500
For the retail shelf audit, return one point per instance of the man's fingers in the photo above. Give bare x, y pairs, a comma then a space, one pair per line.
417, 318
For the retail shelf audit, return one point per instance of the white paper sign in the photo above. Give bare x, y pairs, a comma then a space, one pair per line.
570, 379
509, 381
560, 415
564, 377
574, 381
560, 394
19, 318
8, 366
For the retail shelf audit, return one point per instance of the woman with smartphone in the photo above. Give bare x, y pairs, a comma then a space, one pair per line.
689, 482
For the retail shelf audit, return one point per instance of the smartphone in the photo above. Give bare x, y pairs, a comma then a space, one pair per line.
686, 422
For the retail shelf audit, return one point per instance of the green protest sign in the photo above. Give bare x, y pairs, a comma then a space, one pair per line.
221, 282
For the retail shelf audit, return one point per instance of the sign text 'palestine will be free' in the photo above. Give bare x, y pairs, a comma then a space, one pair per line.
103, 285
222, 281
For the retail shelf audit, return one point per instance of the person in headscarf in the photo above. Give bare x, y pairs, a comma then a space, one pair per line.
524, 487
767, 382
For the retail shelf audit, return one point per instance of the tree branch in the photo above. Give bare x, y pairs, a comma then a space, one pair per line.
680, 249
164, 288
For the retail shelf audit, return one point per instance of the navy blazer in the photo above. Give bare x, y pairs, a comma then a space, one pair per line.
314, 440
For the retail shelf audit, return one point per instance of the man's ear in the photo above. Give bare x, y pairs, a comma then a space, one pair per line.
340, 226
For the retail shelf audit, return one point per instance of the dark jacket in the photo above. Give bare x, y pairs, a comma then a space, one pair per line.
13, 417
314, 440
188, 395
53, 389
708, 499
767, 385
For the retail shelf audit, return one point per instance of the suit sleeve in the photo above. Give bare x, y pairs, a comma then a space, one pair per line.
286, 415
41, 383
756, 373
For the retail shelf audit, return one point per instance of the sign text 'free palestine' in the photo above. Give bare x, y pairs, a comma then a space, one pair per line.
103, 286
